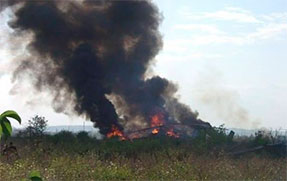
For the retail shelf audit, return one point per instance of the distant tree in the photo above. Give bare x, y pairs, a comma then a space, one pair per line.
83, 136
64, 137
37, 126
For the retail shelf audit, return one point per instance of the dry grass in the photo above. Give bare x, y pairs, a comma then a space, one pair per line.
146, 159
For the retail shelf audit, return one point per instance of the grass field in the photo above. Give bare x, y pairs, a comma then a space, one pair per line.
78, 157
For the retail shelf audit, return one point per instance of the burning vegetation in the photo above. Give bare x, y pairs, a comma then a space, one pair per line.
171, 133
157, 125
115, 132
157, 120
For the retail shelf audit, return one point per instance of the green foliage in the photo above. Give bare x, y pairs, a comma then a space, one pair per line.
83, 136
218, 136
11, 114
5, 125
262, 138
64, 137
211, 139
35, 176
36, 126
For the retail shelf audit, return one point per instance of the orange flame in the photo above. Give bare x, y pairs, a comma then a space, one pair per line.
155, 131
116, 132
171, 133
157, 120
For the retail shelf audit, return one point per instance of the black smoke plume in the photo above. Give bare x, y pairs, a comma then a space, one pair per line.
84, 51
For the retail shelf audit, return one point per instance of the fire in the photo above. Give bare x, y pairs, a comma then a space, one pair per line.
116, 132
157, 124
155, 131
171, 133
157, 120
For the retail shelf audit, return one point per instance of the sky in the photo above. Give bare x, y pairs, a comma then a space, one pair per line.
227, 57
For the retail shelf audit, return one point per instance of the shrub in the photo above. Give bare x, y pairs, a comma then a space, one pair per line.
83, 136
262, 138
36, 126
63, 137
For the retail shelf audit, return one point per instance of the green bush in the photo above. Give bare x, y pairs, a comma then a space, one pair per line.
83, 136
65, 137
262, 138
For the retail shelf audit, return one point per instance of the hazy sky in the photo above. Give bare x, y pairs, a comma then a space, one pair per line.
227, 57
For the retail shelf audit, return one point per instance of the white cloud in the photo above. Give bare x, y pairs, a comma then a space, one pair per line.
190, 56
192, 44
228, 14
269, 31
208, 28
216, 39
275, 16
267, 26
195, 36
262, 33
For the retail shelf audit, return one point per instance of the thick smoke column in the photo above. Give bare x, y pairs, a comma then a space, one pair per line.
84, 51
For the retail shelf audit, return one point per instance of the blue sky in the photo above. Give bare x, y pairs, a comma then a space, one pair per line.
227, 57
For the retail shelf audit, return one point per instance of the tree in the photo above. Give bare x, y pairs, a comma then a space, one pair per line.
37, 126
5, 125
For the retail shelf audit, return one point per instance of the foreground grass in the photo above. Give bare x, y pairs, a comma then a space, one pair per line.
143, 159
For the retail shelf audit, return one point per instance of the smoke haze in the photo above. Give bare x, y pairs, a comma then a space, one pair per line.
223, 101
